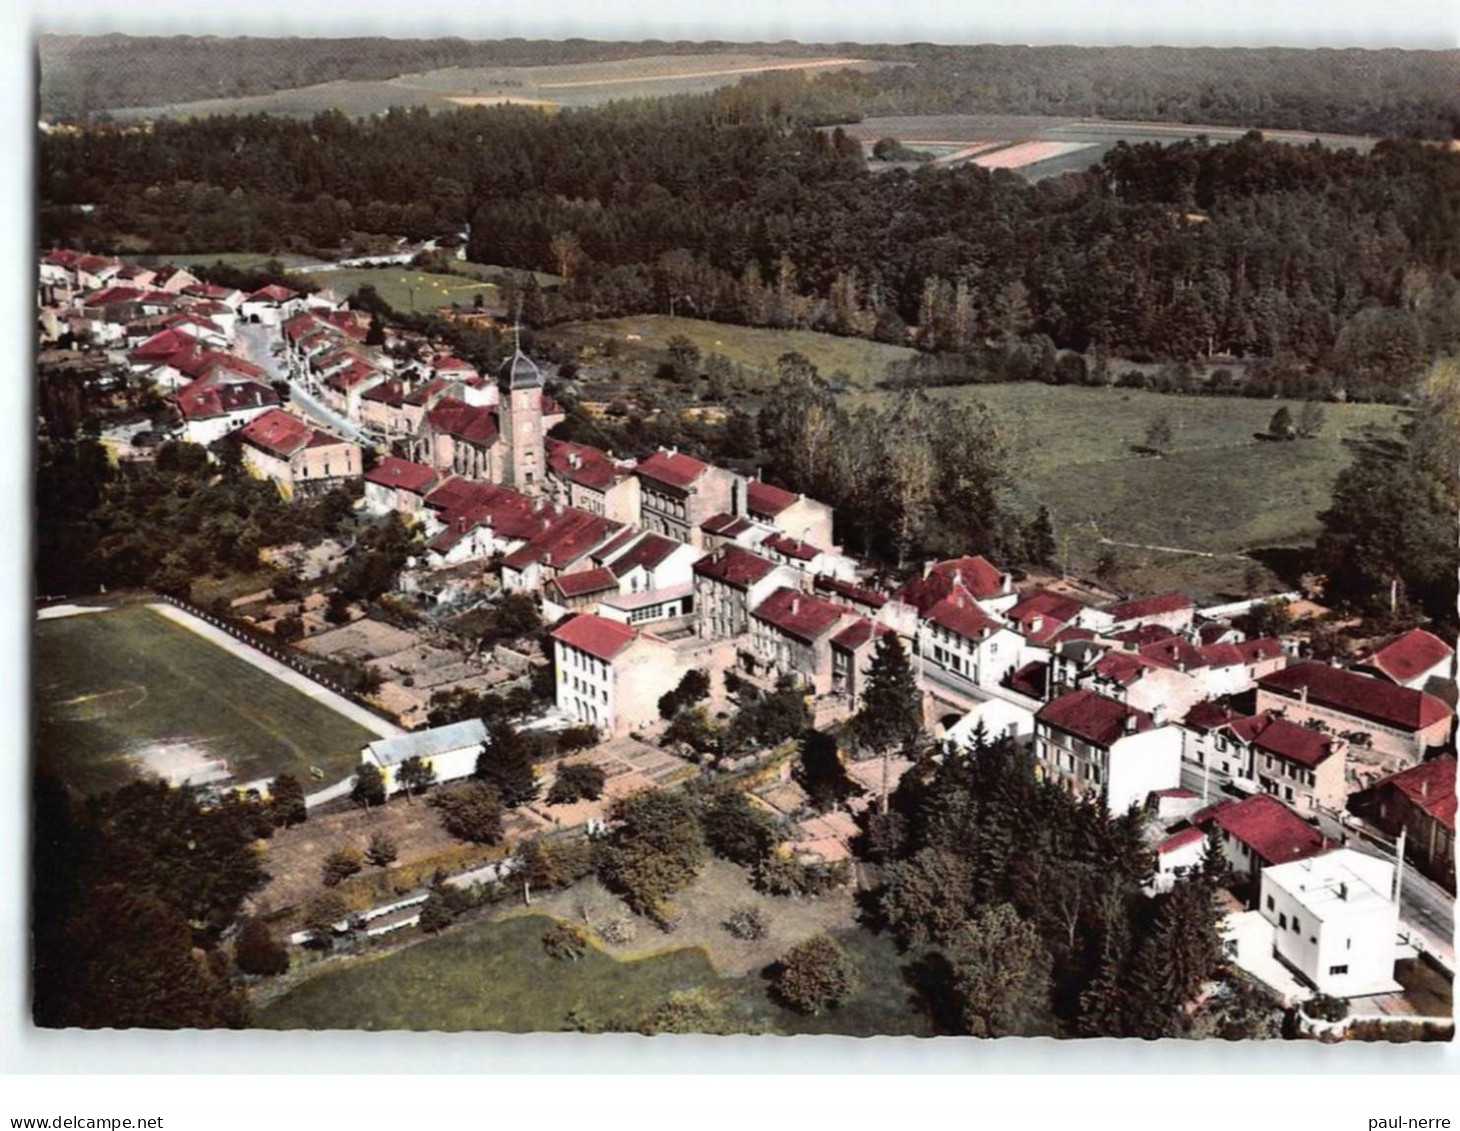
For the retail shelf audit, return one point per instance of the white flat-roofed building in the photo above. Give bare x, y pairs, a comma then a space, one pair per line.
1335, 921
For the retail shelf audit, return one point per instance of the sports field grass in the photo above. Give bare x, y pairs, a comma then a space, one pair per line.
1219, 489
118, 691
496, 976
642, 342
406, 289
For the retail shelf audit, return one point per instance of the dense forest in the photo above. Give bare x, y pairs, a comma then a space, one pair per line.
1385, 93
1340, 266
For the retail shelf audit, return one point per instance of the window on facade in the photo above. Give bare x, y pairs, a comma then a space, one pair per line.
1297, 926
1334, 971
1269, 903
1282, 921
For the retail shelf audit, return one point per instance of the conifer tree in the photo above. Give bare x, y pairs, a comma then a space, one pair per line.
505, 765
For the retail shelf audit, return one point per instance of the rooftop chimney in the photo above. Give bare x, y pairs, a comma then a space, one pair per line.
1303, 694
1036, 624
1342, 890
1130, 722
795, 604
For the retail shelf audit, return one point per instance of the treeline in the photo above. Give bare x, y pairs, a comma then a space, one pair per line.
85, 75
1383, 93
1387, 93
1340, 262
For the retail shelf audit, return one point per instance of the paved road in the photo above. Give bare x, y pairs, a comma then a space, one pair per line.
352, 711
257, 342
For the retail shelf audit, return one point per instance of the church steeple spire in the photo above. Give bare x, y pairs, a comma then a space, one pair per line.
524, 373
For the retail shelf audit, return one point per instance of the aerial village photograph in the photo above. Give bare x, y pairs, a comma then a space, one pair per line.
752, 538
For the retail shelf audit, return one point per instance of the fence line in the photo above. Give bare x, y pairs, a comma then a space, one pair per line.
264, 643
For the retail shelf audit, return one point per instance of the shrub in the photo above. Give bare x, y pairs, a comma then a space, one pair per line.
257, 951
565, 941
577, 781
748, 922
470, 812
340, 865
382, 851
1324, 1007
576, 738
815, 974
617, 931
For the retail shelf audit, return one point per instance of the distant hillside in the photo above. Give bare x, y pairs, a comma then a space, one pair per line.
1383, 93
83, 75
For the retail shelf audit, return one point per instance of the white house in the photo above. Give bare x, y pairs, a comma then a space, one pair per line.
1000, 718
1410, 659
450, 750
959, 636
1335, 921
610, 675
1097, 746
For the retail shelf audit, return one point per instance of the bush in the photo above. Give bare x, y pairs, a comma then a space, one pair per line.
815, 974
617, 931
382, 851
748, 922
340, 865
288, 629
470, 812
1324, 1007
577, 781
576, 738
565, 941
257, 951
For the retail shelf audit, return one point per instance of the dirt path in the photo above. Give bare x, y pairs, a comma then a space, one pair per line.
303, 684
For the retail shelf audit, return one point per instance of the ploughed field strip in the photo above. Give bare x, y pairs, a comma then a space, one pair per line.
129, 692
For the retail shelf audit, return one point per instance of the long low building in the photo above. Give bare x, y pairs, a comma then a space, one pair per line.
451, 751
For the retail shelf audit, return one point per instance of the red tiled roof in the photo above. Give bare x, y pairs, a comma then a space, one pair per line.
1031, 680
598, 636
725, 525
798, 614
857, 594
1362, 696
1206, 715
1095, 718
674, 468
109, 295
1150, 606
390, 392
974, 574
277, 431
565, 539
767, 501
446, 363
595, 580
473, 423
1267, 826
1175, 652
958, 614
392, 471
1409, 654
1124, 667
858, 633
1143, 634
63, 256
1263, 648
648, 552
93, 263
356, 373
1273, 734
1430, 785
1052, 610
272, 293
162, 345
582, 464
202, 400
734, 565
615, 544
1180, 840
790, 547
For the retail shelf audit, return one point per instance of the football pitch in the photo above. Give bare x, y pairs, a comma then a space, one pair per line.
129, 692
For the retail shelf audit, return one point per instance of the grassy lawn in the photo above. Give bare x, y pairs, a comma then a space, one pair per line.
496, 976
119, 690
1218, 490
641, 343
406, 289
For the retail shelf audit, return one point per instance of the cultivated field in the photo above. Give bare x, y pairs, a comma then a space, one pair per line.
1039, 147
640, 344
128, 692
576, 84
1220, 490
406, 289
